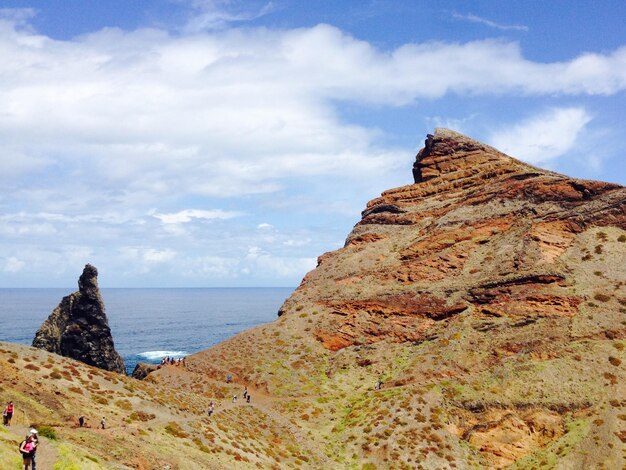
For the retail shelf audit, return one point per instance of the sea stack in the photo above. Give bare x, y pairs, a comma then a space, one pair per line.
78, 327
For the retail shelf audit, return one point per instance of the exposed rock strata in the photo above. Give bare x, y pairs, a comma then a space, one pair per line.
78, 327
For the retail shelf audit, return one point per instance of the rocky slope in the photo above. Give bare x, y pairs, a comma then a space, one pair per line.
78, 327
488, 297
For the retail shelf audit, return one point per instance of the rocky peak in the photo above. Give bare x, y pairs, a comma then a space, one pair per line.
78, 327
446, 152
88, 283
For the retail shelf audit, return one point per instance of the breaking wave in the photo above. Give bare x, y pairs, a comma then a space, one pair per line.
155, 355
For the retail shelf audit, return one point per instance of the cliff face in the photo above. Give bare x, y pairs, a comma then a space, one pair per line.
78, 327
488, 297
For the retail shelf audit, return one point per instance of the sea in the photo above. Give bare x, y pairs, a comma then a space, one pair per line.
149, 324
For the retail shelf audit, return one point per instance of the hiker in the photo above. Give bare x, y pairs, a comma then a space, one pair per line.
26, 449
8, 413
211, 408
33, 453
379, 385
184, 364
245, 391
102, 422
234, 398
248, 398
81, 421
229, 378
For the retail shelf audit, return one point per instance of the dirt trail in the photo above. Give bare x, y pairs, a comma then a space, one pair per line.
264, 403
47, 454
259, 400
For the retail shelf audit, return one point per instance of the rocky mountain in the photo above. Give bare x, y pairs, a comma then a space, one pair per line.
489, 299
78, 327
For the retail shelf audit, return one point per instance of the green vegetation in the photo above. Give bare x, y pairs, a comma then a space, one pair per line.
175, 430
47, 431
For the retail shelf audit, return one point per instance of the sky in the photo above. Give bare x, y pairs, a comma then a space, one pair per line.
214, 143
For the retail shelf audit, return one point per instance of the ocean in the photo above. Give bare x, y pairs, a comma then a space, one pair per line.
148, 324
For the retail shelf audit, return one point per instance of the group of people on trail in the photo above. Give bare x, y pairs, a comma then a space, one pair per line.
28, 449
246, 396
170, 361
7, 414
83, 423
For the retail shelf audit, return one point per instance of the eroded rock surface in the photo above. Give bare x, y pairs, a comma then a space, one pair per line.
78, 327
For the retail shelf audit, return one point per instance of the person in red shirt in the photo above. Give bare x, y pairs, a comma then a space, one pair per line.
8, 413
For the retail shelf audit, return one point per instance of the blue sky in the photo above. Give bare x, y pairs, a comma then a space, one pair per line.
229, 143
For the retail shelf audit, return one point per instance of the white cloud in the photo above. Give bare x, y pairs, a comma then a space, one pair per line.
143, 259
492, 24
188, 215
544, 137
13, 265
298, 242
217, 14
236, 112
260, 261
265, 226
158, 256
17, 16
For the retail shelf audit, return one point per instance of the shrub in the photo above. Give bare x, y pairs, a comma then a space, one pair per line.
598, 249
47, 431
175, 430
124, 404
141, 416
31, 367
100, 400
621, 238
610, 377
615, 361
55, 374
602, 297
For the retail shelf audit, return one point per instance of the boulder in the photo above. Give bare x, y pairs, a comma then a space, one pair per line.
142, 370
